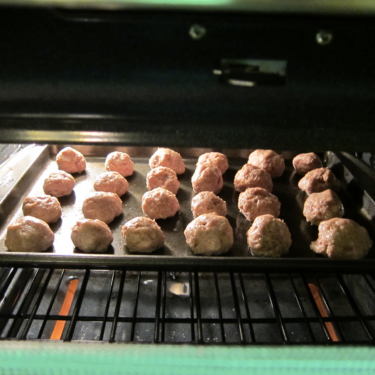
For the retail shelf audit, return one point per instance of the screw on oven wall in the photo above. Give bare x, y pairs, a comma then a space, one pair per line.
323, 37
197, 32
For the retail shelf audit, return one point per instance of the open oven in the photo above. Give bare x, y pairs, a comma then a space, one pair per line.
196, 80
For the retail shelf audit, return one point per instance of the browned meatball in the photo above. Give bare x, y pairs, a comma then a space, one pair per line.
165, 157
142, 235
111, 182
43, 207
209, 234
119, 162
318, 180
342, 239
207, 178
29, 234
102, 206
163, 177
59, 184
217, 159
269, 160
70, 160
91, 236
322, 206
269, 237
304, 163
159, 203
254, 202
250, 176
207, 202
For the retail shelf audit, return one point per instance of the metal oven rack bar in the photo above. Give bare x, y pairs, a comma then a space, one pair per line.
190, 306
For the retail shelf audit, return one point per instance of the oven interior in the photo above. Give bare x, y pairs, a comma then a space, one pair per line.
227, 81
172, 296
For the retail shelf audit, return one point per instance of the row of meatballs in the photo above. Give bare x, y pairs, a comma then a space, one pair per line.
338, 238
32, 233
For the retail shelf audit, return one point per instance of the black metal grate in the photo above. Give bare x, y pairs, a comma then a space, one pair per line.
186, 307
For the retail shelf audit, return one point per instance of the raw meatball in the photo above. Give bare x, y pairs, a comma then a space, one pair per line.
119, 162
269, 160
322, 206
142, 235
217, 159
59, 184
70, 160
91, 236
111, 182
209, 234
102, 206
268, 237
43, 207
159, 203
254, 202
304, 163
207, 202
165, 157
318, 180
342, 239
207, 178
250, 176
29, 234
163, 177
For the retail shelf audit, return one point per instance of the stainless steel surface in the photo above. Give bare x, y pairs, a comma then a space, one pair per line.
59, 136
175, 247
363, 7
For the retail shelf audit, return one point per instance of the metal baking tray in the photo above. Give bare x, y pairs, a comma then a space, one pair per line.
33, 164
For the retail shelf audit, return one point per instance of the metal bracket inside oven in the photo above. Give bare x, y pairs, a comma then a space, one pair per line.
252, 72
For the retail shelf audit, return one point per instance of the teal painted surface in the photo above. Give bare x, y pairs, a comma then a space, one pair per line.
95, 359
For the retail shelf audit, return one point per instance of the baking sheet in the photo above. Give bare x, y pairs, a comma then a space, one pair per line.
285, 188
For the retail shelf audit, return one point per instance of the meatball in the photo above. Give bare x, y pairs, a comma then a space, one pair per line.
318, 180
59, 184
217, 159
165, 157
159, 203
207, 178
322, 206
207, 202
119, 162
254, 202
91, 236
269, 160
342, 239
102, 206
163, 177
29, 234
111, 182
142, 235
43, 207
70, 160
209, 234
268, 237
250, 176
304, 163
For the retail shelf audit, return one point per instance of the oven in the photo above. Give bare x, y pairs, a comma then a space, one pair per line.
193, 79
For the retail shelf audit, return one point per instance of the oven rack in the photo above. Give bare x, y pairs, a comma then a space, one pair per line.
158, 306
